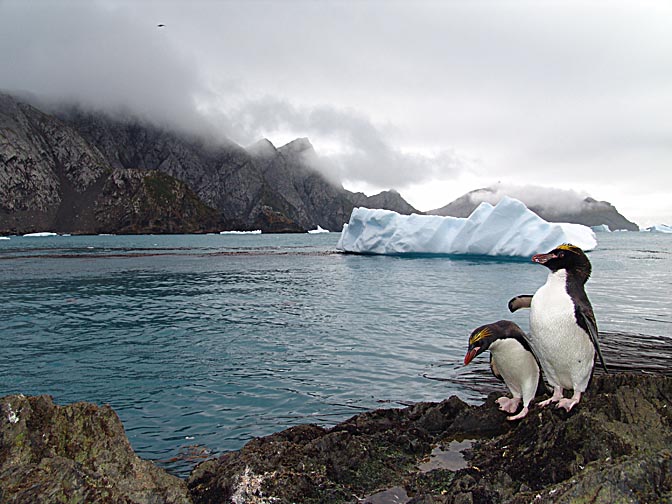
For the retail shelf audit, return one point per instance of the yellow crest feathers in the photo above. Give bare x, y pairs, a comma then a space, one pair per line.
483, 333
569, 247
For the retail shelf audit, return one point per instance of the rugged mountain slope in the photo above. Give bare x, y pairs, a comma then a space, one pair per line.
223, 177
387, 199
40, 160
52, 179
263, 187
589, 213
149, 201
309, 198
55, 174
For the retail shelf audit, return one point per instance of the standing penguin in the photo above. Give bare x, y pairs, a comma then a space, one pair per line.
563, 331
511, 360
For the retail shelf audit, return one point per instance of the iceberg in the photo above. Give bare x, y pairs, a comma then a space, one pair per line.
602, 228
318, 230
255, 231
659, 228
508, 229
41, 234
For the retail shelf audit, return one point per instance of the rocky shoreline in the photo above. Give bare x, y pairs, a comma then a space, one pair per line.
615, 446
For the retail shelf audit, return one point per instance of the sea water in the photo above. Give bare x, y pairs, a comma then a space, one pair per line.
202, 342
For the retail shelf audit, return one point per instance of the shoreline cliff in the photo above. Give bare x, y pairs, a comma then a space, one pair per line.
616, 446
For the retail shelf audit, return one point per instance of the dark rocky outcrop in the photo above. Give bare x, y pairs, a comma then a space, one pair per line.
615, 446
74, 453
590, 213
149, 201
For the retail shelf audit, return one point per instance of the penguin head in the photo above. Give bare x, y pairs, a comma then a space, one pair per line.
482, 337
566, 256
480, 340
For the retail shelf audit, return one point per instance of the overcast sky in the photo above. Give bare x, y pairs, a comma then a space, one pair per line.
431, 98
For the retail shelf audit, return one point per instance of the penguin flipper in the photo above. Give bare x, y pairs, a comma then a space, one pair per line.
591, 328
522, 301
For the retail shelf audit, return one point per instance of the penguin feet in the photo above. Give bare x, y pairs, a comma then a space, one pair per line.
568, 404
556, 397
508, 405
520, 415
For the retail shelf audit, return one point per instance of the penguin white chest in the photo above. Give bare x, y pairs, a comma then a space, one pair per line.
563, 348
516, 366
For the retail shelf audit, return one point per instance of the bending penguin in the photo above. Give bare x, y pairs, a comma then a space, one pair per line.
511, 360
563, 331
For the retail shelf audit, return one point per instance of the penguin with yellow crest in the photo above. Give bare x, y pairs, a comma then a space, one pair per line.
563, 331
511, 360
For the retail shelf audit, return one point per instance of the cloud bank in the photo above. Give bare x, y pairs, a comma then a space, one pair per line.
100, 58
350, 145
431, 97
552, 200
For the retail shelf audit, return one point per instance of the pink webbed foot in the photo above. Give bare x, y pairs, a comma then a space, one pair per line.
520, 415
508, 405
568, 404
556, 397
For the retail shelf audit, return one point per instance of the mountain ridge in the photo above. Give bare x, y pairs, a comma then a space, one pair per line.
55, 167
589, 211
63, 171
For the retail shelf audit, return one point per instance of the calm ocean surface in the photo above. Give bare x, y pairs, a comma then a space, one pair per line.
201, 342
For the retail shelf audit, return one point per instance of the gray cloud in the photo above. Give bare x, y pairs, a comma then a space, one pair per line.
364, 152
96, 56
568, 94
551, 200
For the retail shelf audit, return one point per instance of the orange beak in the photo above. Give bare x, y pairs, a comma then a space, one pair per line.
470, 355
542, 258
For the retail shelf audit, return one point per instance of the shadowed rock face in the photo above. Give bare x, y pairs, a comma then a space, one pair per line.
615, 446
74, 453
52, 179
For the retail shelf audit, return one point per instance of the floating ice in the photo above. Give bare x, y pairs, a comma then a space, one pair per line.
256, 231
40, 234
508, 229
4, 238
659, 228
318, 230
602, 228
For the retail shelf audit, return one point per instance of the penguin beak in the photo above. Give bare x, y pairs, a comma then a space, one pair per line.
470, 355
542, 258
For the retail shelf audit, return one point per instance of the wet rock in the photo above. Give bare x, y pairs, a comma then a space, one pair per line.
74, 453
614, 446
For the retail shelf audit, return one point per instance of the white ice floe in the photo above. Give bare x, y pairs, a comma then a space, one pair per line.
318, 230
256, 231
602, 228
4, 238
659, 228
507, 229
40, 234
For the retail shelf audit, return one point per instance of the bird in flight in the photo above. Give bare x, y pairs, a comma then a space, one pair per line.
160, 25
